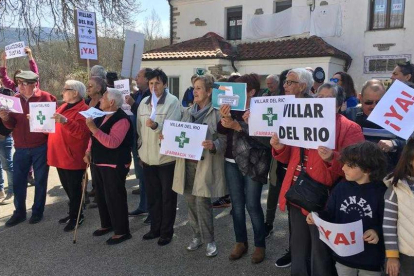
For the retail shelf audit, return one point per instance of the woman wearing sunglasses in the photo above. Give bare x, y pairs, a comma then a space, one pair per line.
346, 82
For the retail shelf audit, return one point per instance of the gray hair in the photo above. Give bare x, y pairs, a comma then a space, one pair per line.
305, 77
98, 71
78, 86
337, 91
375, 85
274, 77
116, 95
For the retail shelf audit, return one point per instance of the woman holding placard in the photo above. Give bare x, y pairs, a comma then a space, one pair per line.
199, 181
246, 168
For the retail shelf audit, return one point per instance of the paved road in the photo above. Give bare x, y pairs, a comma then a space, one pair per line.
44, 249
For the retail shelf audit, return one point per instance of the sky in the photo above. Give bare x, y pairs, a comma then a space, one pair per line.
162, 8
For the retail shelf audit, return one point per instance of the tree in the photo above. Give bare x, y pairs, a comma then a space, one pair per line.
152, 30
30, 16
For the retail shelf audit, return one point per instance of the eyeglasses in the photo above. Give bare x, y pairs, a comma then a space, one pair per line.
334, 80
371, 102
67, 89
289, 82
24, 83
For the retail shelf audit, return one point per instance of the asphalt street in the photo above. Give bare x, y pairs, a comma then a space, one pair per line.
45, 249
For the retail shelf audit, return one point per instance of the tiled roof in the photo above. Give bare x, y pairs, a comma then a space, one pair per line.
289, 48
210, 45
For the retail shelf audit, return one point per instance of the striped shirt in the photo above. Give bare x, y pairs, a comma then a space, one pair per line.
390, 221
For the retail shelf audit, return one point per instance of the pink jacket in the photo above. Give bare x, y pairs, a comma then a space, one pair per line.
9, 83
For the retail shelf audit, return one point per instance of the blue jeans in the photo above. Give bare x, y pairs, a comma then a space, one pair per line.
245, 193
6, 163
139, 173
22, 160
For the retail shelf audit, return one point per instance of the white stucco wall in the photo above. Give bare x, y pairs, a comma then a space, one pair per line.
356, 39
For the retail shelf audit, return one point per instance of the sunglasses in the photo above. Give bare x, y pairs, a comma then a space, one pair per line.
371, 102
334, 80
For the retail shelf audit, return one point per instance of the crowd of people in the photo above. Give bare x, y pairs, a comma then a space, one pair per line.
367, 163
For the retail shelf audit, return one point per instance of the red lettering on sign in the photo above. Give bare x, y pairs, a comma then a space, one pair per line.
393, 113
404, 104
325, 232
397, 128
352, 237
341, 239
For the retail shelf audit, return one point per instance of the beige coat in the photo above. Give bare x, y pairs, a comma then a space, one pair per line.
209, 179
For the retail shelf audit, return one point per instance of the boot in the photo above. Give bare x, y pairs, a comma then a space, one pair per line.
238, 251
258, 255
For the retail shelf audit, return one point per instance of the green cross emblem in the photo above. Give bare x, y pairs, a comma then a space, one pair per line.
269, 116
41, 117
182, 140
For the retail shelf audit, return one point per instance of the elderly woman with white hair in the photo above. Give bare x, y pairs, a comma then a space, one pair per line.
66, 147
110, 151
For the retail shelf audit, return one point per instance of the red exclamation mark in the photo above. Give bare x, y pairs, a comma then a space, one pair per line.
397, 128
407, 95
352, 237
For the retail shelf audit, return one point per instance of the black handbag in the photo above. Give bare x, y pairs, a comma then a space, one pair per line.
306, 192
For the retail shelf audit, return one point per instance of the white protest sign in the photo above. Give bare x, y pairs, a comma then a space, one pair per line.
154, 103
183, 139
265, 114
308, 123
88, 51
86, 19
344, 239
94, 113
11, 103
123, 86
395, 111
133, 50
15, 50
41, 117
87, 35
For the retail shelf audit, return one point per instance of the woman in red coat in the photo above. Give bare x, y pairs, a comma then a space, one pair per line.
310, 256
67, 146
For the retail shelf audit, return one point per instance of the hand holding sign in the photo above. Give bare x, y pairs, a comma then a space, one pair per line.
275, 142
208, 145
325, 153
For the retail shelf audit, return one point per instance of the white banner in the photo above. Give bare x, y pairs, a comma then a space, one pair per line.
123, 86
133, 50
15, 50
94, 113
183, 139
86, 19
344, 239
41, 117
265, 114
395, 111
11, 103
308, 123
87, 35
88, 51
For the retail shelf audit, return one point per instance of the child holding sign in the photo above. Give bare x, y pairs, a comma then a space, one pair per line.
398, 215
359, 197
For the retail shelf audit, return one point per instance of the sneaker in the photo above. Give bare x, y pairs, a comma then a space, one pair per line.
268, 229
70, 226
7, 200
222, 202
15, 219
64, 220
211, 249
285, 260
194, 244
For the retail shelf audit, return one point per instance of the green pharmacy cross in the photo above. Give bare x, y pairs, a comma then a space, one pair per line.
41, 117
269, 116
182, 140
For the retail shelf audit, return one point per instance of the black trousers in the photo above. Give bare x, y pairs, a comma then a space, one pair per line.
161, 199
274, 191
112, 197
72, 184
310, 255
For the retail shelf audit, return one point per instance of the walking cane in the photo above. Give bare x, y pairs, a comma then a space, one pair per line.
84, 184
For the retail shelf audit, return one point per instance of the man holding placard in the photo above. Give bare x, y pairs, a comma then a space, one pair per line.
31, 150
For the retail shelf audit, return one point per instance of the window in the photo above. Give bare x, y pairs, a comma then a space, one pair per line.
383, 64
387, 14
280, 6
234, 23
174, 86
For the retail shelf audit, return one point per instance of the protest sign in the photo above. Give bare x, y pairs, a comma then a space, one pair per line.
10, 103
94, 113
41, 117
88, 51
183, 139
133, 50
15, 50
233, 94
308, 123
123, 86
86, 37
265, 114
344, 239
395, 111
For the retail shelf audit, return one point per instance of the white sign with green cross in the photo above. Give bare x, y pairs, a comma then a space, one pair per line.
41, 117
265, 114
183, 140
